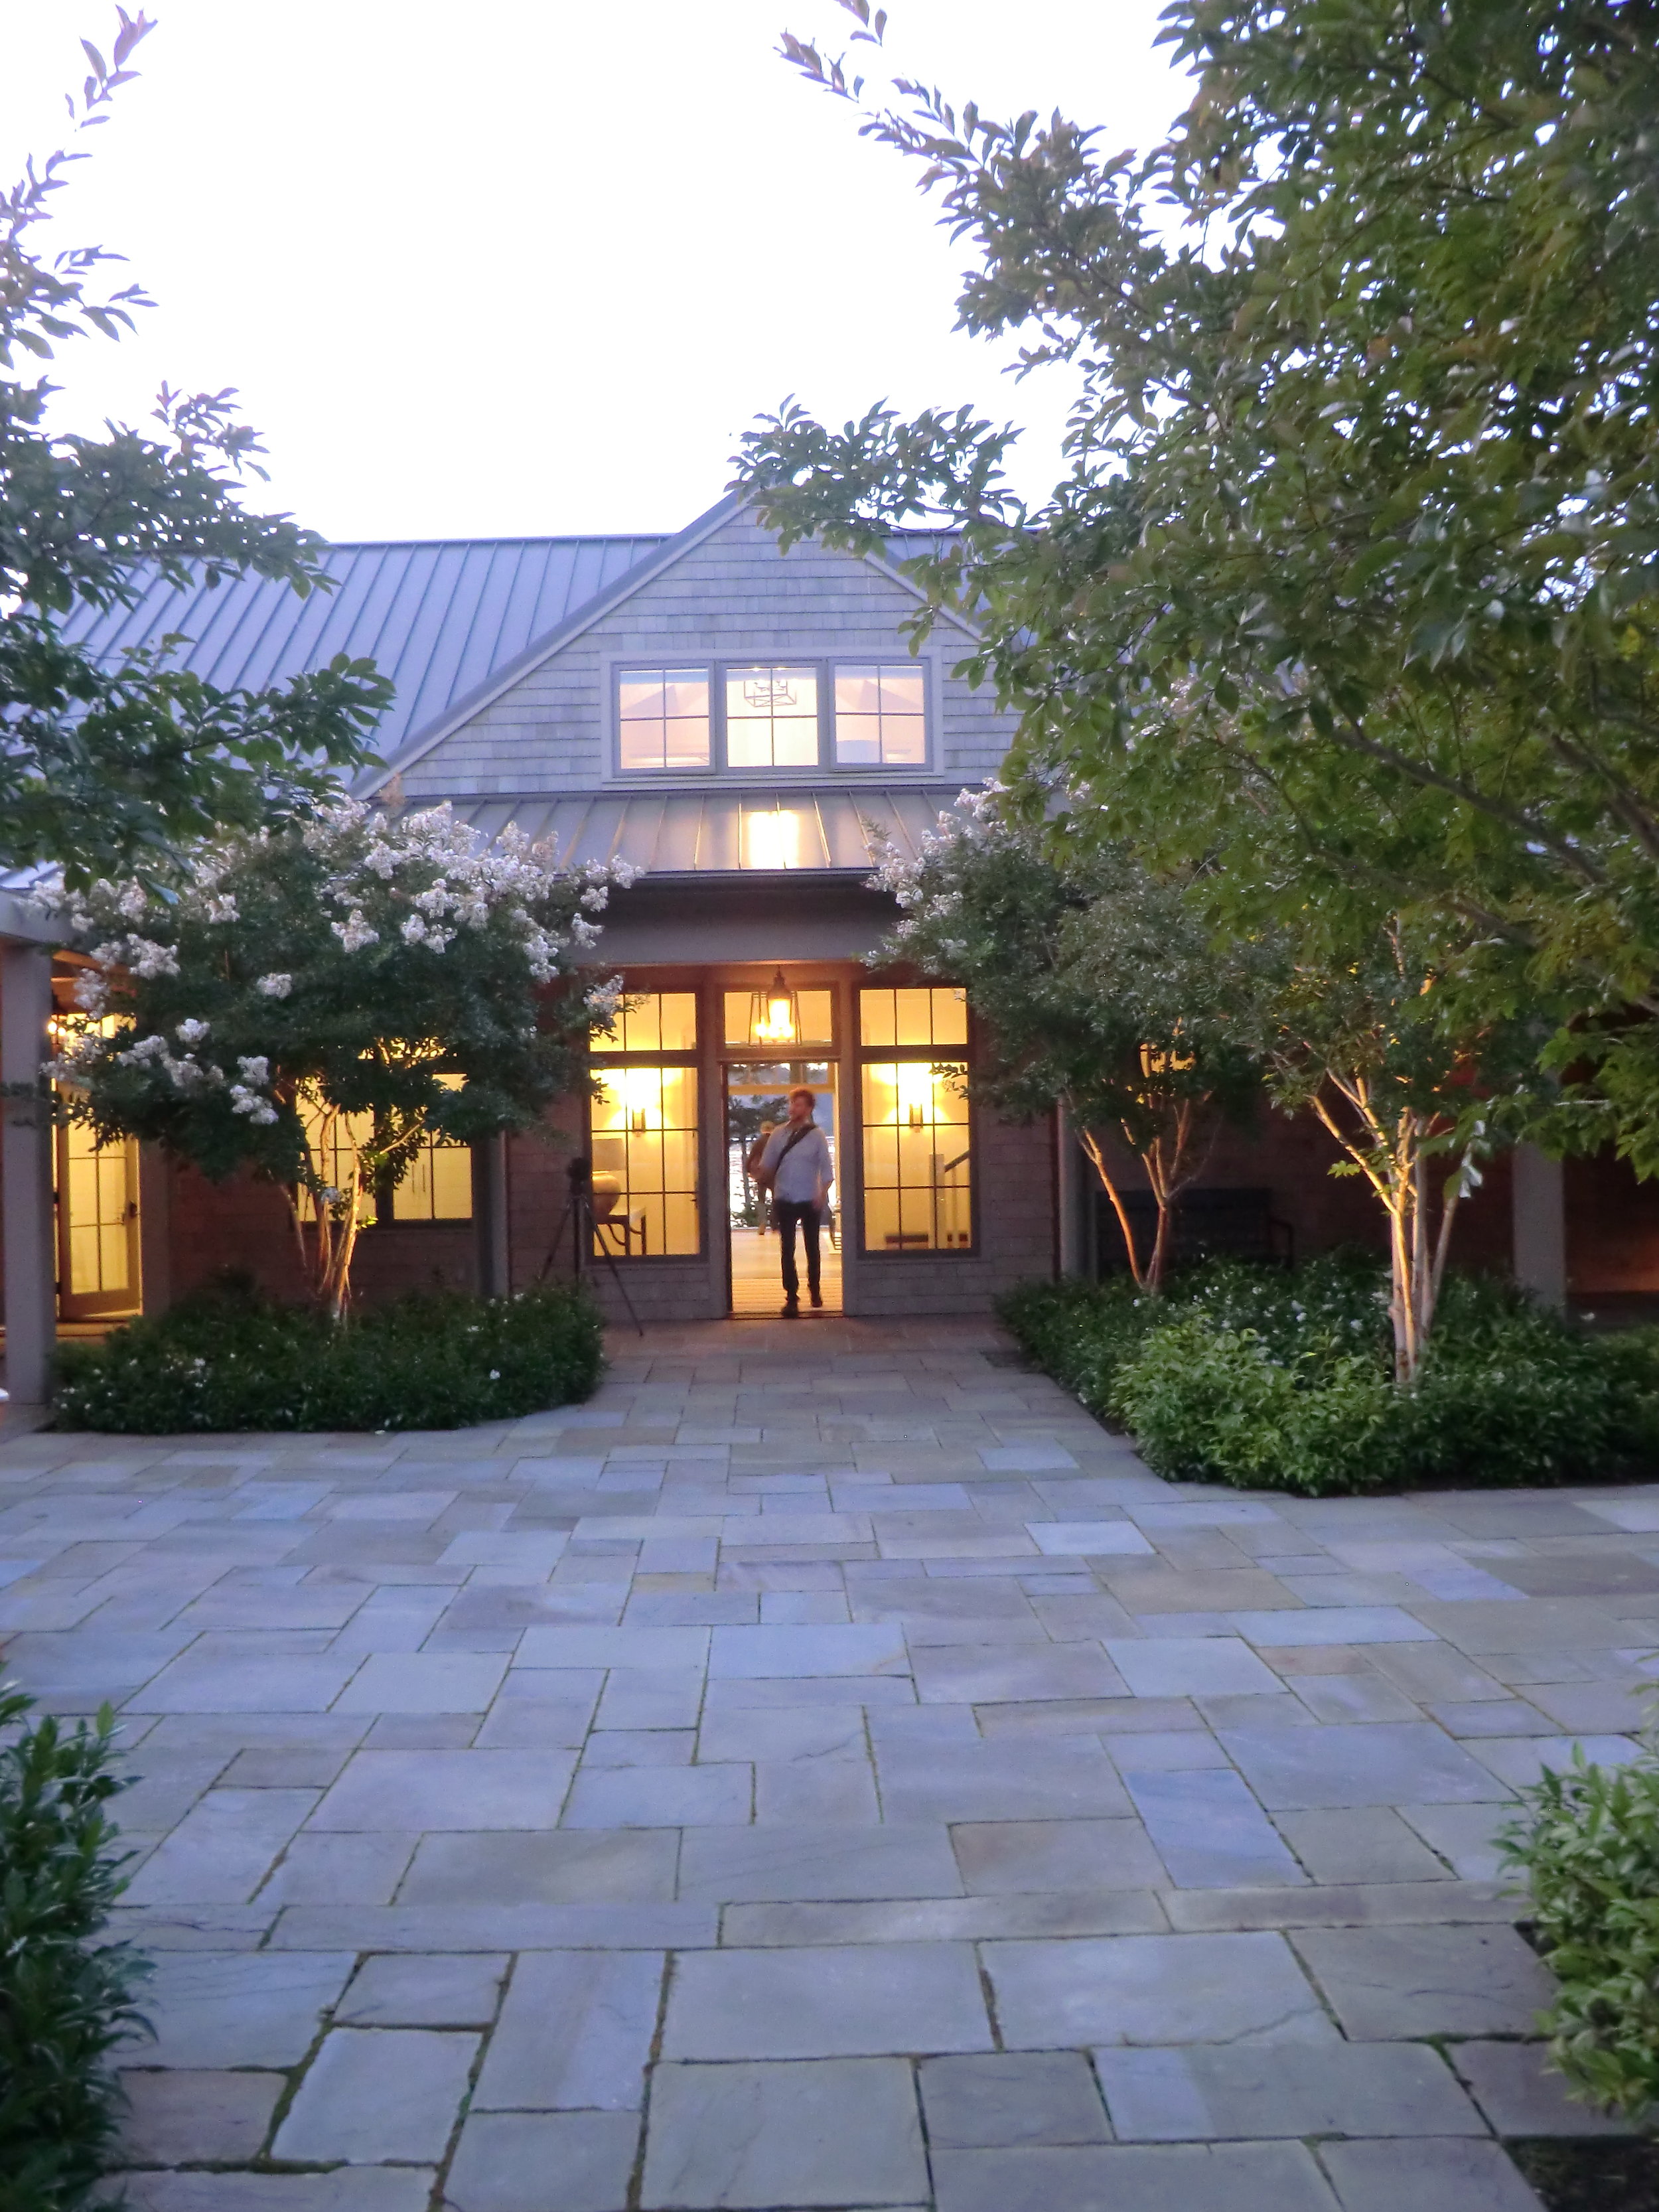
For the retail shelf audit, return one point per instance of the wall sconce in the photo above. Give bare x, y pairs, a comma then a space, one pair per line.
918, 1120
636, 1121
774, 1014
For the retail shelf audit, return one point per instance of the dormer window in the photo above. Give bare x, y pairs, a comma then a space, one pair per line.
663, 718
881, 715
787, 718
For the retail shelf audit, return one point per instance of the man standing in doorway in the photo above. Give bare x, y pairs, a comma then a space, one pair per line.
796, 1168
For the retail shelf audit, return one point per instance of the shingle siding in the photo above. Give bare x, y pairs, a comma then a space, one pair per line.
734, 595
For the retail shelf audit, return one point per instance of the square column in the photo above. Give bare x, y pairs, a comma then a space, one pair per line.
31, 1265
489, 1217
1538, 1224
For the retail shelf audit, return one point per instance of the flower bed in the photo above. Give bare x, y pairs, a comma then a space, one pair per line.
1282, 1379
228, 1359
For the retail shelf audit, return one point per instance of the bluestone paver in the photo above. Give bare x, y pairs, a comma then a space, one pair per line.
842, 2132
826, 2002
372, 2096
812, 1718
1210, 2094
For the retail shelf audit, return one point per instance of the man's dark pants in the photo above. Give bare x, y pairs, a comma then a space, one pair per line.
788, 1211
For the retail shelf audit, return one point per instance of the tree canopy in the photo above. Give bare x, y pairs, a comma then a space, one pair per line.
106, 767
314, 1002
1361, 528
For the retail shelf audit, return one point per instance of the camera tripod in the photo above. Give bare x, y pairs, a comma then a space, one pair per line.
578, 1218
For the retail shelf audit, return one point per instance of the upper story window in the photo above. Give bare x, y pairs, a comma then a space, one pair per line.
772, 717
881, 715
663, 718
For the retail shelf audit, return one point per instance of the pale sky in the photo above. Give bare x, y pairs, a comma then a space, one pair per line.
530, 266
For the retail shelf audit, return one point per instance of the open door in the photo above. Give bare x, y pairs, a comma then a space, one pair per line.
756, 1100
97, 1199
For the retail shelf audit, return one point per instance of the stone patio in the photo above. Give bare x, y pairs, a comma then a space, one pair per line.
825, 1770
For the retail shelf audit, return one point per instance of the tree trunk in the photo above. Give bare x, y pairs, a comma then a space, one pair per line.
1390, 1156
1091, 1144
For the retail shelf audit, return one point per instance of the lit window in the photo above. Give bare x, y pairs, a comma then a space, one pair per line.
811, 1013
913, 1018
881, 715
662, 717
645, 1162
437, 1186
917, 1158
771, 718
334, 1140
652, 1021
771, 838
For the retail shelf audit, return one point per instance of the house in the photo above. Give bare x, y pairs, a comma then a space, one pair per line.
746, 728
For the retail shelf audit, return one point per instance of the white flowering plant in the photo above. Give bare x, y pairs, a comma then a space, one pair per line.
314, 1002
1096, 985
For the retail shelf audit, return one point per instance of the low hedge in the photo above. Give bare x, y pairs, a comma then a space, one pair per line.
228, 1359
67, 1997
1282, 1379
1588, 1843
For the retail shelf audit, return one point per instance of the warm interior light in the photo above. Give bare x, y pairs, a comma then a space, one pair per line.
774, 1017
917, 1087
771, 838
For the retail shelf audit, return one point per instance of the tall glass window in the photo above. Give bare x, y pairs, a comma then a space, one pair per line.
662, 718
644, 1131
881, 715
438, 1184
771, 717
918, 1147
918, 1136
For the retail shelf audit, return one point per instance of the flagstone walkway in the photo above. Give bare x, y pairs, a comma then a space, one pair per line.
825, 1770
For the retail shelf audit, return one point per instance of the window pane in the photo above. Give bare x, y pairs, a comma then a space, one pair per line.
772, 717
881, 714
652, 1021
917, 1181
939, 1016
438, 1186
645, 1160
663, 718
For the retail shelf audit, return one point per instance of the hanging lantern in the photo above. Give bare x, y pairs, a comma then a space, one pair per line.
774, 1013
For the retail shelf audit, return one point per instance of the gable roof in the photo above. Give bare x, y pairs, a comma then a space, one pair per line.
438, 616
453, 623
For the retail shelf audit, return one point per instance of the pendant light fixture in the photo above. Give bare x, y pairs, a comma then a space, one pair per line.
774, 1013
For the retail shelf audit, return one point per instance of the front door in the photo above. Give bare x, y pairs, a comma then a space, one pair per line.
97, 1225
756, 1101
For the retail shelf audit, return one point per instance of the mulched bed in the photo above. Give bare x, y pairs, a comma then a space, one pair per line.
1590, 2173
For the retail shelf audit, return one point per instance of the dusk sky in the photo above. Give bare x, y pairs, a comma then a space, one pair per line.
527, 266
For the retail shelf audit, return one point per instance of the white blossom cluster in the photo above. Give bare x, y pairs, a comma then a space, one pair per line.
465, 881
189, 1075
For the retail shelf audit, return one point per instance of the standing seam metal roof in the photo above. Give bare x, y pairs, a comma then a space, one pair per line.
439, 616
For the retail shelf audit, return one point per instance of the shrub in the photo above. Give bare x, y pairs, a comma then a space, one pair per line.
66, 1998
1589, 1845
227, 1358
1284, 1380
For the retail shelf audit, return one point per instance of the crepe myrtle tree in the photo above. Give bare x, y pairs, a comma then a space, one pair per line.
1098, 985
113, 765
315, 1001
1370, 1031
1362, 502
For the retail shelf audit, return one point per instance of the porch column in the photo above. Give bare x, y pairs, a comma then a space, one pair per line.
1538, 1224
31, 1276
489, 1215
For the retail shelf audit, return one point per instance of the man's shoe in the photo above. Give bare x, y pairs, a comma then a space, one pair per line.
792, 1309
817, 1301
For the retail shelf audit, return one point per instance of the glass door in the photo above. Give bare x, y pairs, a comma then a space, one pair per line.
97, 1225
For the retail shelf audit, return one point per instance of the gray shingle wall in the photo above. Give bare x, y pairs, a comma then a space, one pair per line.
732, 596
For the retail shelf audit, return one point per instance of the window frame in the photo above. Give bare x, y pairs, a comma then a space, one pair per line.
719, 667
691, 1057
860, 1056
